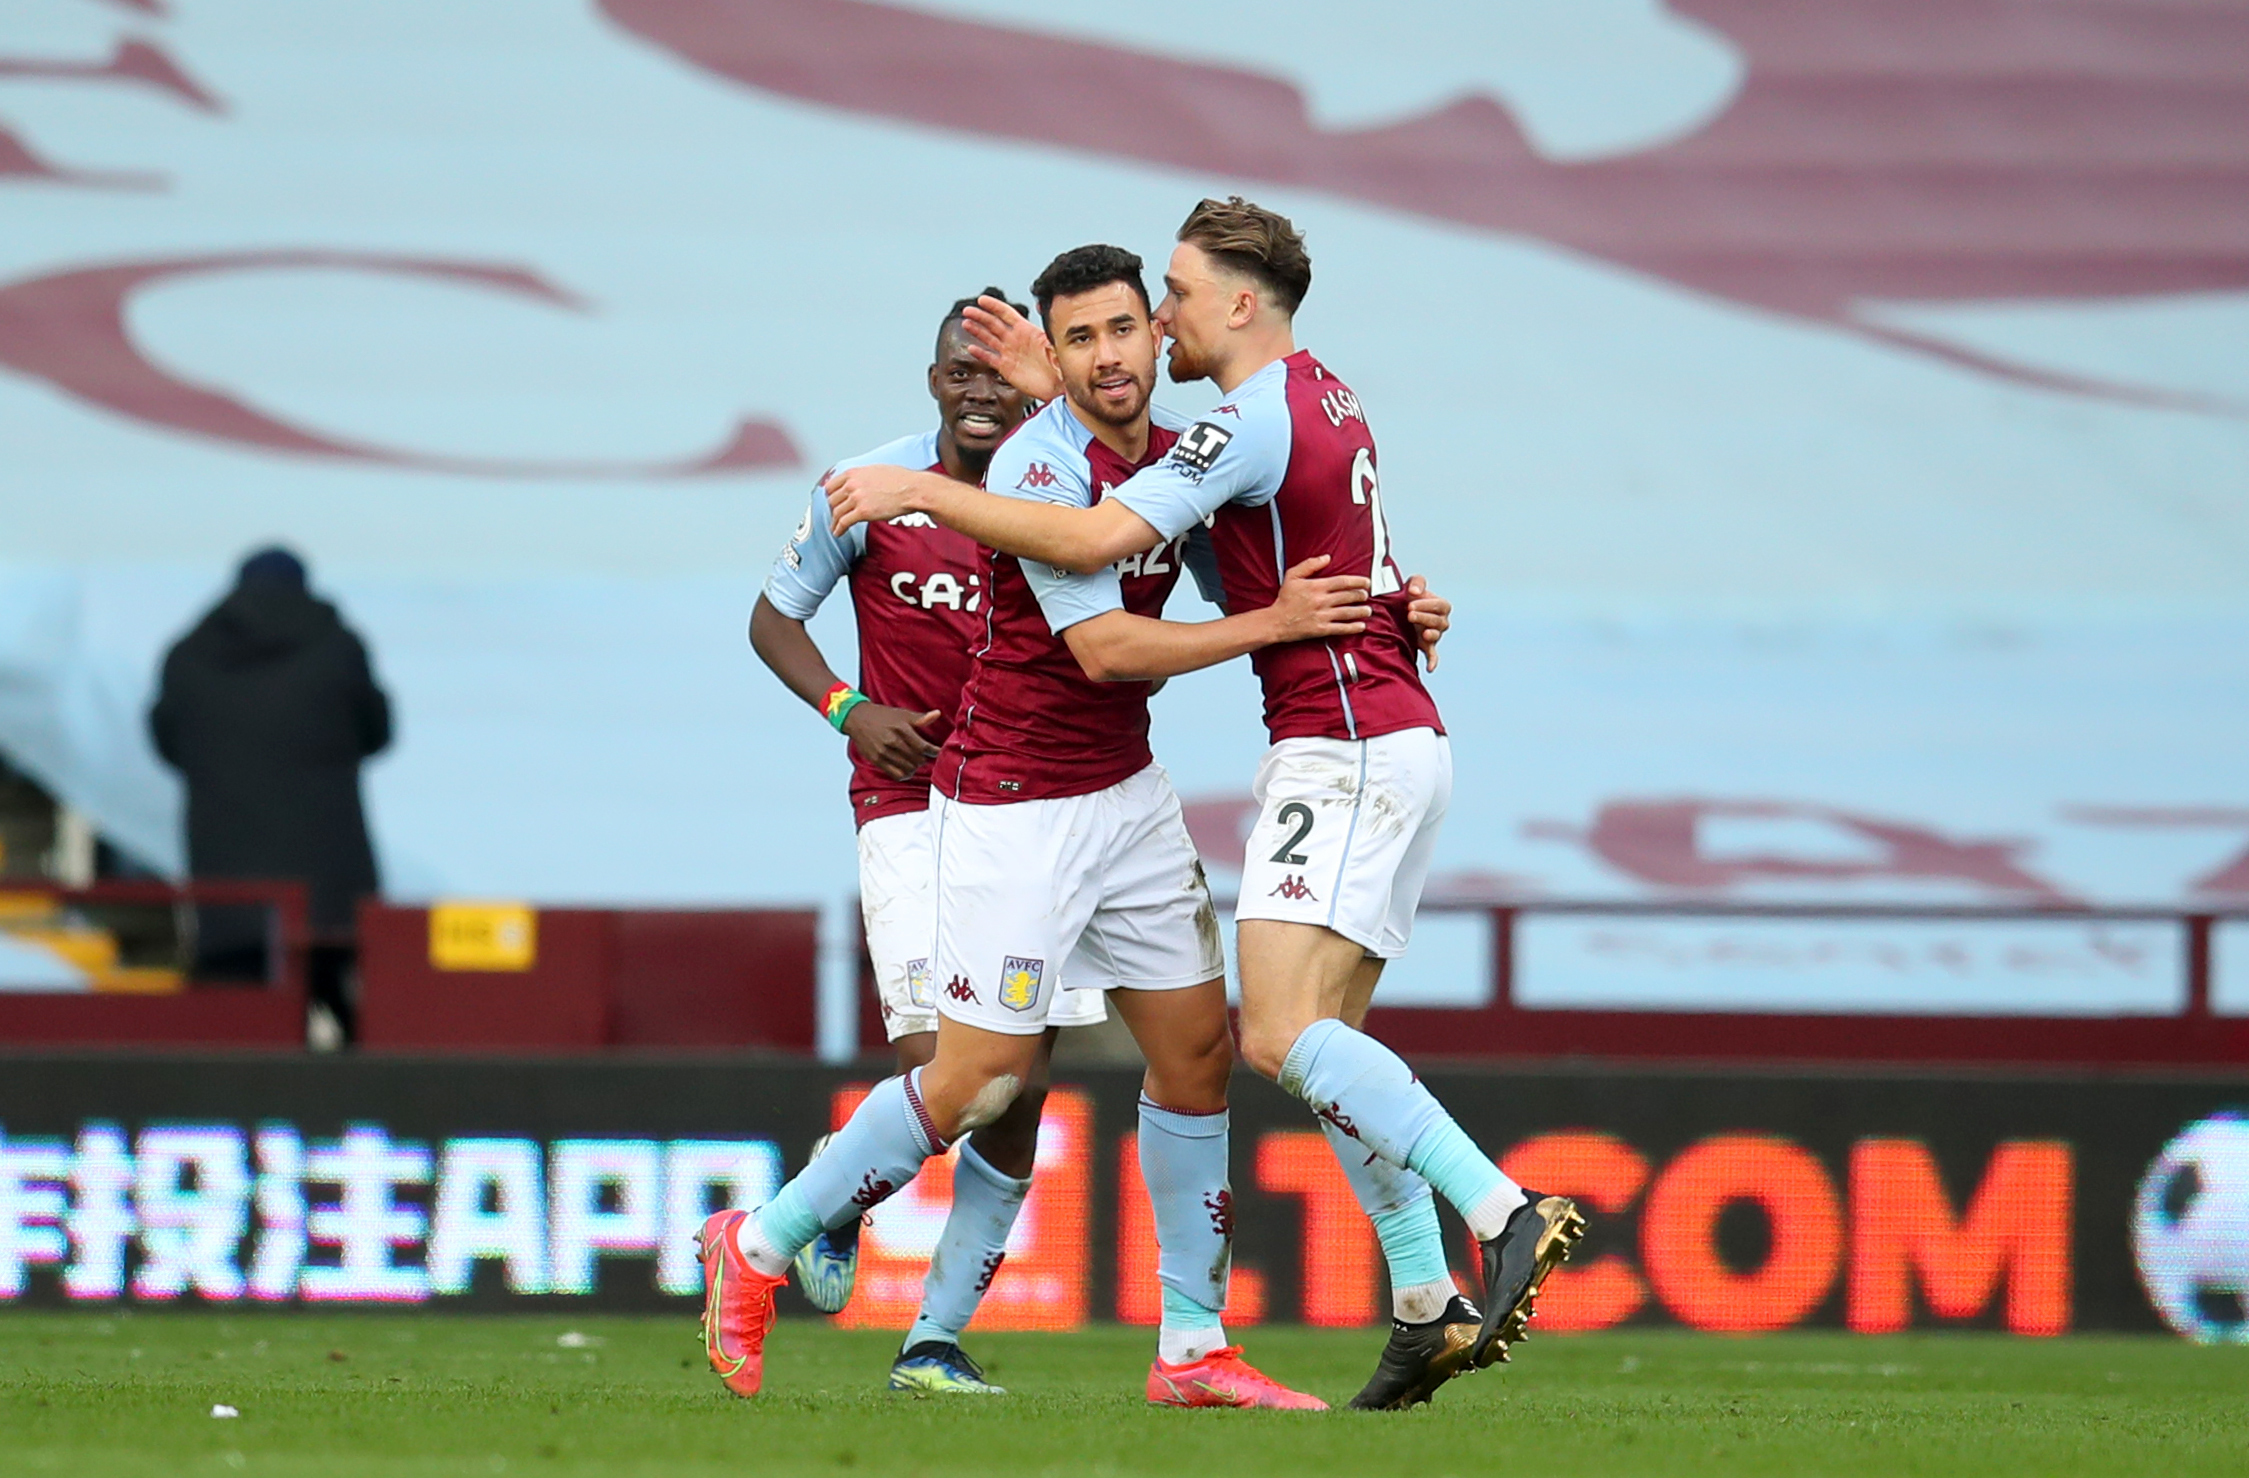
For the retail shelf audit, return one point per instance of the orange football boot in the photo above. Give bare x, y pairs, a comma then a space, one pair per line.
737, 1305
1223, 1378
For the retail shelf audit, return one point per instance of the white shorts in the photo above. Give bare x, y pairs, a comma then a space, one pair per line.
1345, 833
897, 902
1104, 890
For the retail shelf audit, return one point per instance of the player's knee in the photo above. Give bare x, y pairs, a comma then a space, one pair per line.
1010, 1142
1193, 1078
1020, 1119
1265, 1046
989, 1102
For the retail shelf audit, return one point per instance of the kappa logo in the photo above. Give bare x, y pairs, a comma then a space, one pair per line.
1037, 475
1019, 982
918, 984
1200, 446
1340, 1119
1229, 409
959, 989
1294, 889
913, 521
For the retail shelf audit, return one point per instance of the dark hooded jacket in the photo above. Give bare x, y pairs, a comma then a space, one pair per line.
267, 709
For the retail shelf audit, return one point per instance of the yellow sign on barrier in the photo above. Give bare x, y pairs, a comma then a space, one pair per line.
483, 936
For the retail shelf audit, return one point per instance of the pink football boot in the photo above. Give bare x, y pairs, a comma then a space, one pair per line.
737, 1305
1223, 1378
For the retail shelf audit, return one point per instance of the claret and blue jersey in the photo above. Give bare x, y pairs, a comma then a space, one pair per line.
918, 592
1282, 471
1032, 725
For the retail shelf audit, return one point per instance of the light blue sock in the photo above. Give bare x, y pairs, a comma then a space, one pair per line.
1183, 1159
1366, 1091
1404, 1214
1413, 1244
1184, 1314
971, 1250
879, 1150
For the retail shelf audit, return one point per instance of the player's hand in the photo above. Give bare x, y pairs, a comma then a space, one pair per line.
1309, 608
891, 739
1013, 345
1431, 616
867, 495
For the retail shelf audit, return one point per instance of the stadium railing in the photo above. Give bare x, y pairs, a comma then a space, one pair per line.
118, 965
2148, 983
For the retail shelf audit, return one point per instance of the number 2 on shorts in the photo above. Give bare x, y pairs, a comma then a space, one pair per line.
1301, 815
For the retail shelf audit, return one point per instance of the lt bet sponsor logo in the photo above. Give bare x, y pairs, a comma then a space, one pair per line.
1020, 980
1197, 450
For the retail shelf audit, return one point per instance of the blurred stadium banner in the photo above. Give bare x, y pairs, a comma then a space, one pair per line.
1828, 418
1742, 1200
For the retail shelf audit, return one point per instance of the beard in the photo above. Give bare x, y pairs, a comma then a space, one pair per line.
1185, 365
1122, 413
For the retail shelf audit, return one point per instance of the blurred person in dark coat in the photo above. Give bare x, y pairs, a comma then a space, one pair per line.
267, 709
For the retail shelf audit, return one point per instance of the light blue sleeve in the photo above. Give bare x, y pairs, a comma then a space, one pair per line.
1067, 598
813, 561
1237, 457
1035, 467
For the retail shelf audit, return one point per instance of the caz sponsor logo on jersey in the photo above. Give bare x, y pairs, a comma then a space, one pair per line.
927, 592
1161, 560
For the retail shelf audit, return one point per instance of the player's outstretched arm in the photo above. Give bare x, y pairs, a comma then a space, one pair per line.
1081, 540
1013, 345
1118, 646
890, 738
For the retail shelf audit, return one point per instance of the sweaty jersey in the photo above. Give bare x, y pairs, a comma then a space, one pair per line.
1032, 725
1285, 470
917, 590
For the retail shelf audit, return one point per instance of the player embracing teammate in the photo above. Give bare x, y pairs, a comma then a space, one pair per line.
1060, 853
918, 601
1354, 786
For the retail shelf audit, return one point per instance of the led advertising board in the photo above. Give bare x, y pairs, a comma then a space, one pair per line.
1743, 1200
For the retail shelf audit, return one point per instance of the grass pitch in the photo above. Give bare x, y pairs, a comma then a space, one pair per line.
99, 1394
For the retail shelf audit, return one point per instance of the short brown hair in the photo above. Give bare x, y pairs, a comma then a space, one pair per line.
1255, 242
